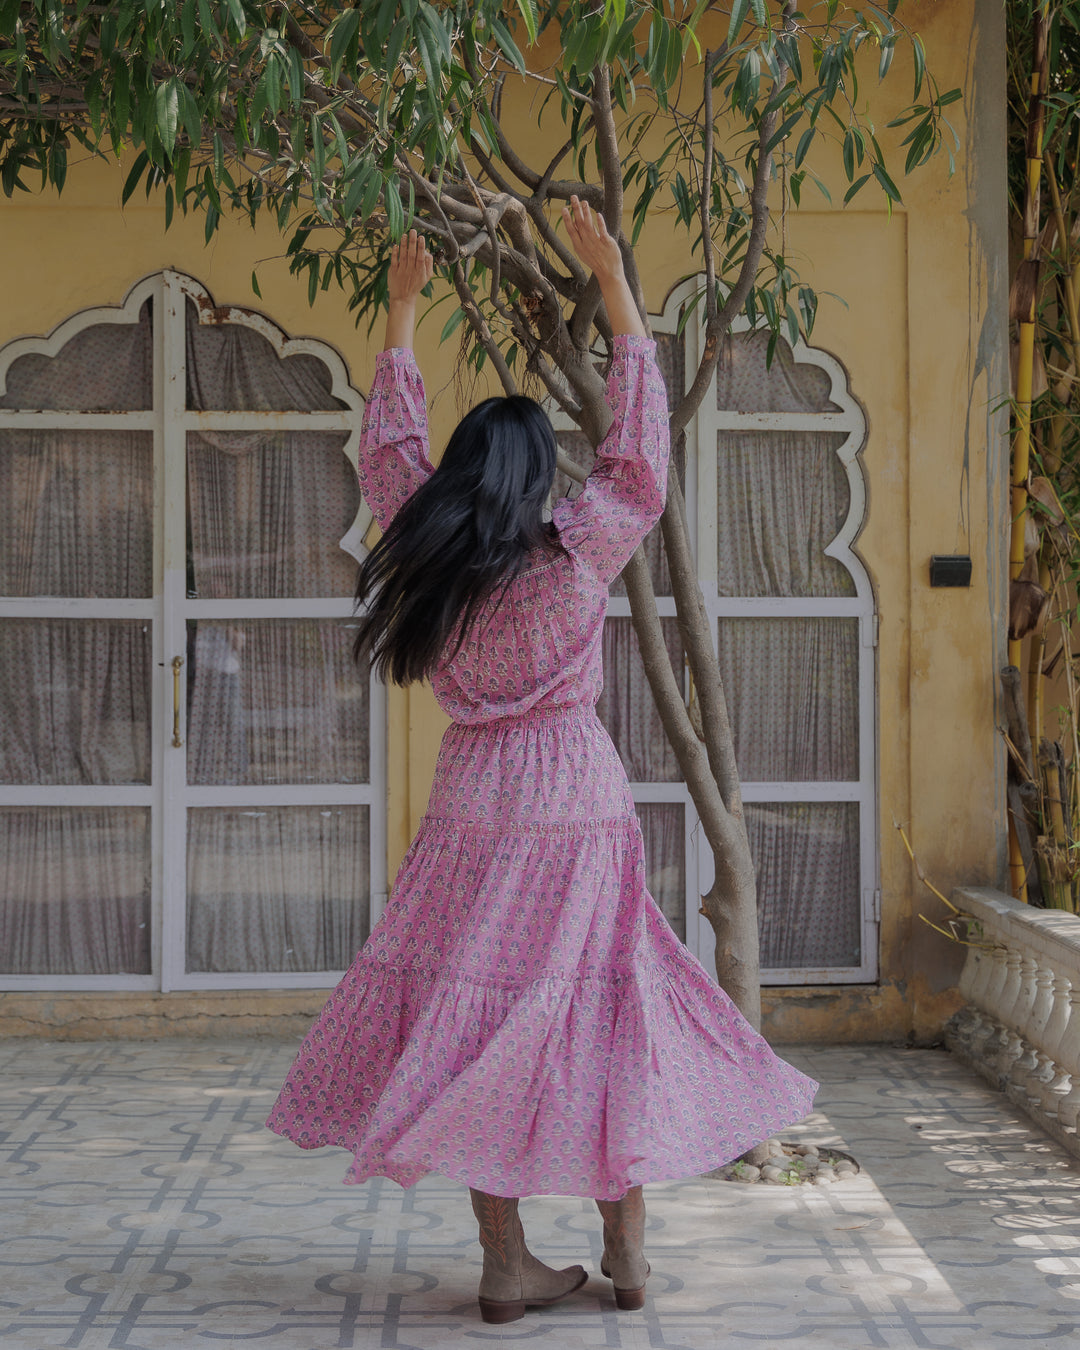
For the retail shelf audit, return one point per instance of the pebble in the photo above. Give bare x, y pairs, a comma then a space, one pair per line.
846, 1168
771, 1173
746, 1173
807, 1151
824, 1177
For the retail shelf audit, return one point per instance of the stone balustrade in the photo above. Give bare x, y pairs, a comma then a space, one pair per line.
1020, 1026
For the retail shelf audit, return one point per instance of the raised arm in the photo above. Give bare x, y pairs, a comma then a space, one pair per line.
392, 459
625, 492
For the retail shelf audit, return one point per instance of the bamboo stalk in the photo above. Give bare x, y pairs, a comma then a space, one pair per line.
1056, 848
1026, 304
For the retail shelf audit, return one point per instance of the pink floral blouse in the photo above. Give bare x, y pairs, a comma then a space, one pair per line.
539, 648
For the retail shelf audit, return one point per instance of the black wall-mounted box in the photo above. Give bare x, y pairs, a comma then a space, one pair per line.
950, 569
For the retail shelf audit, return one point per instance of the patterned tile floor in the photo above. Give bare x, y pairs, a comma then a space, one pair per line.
144, 1207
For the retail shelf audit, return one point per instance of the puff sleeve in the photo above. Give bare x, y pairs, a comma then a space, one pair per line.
625, 492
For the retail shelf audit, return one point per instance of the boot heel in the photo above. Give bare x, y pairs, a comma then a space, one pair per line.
629, 1300
507, 1310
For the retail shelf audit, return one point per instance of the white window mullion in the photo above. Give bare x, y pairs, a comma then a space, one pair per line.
172, 394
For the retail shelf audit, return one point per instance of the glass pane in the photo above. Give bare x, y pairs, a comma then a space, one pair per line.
277, 889
74, 890
792, 688
671, 358
108, 367
76, 700
626, 706
746, 382
781, 497
231, 367
76, 512
276, 701
807, 860
265, 513
664, 833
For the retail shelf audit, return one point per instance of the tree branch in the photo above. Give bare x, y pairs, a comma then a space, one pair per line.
755, 247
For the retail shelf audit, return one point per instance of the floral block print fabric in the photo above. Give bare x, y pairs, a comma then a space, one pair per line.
522, 1018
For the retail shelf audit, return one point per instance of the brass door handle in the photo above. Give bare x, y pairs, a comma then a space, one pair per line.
177, 662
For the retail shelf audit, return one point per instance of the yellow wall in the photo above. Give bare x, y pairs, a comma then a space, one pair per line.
922, 338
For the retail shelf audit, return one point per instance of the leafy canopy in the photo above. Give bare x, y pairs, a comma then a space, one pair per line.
348, 123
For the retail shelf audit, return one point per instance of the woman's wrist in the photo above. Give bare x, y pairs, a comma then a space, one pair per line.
400, 323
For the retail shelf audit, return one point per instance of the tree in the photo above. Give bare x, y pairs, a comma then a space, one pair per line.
347, 124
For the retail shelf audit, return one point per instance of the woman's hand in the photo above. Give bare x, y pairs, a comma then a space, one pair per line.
592, 243
599, 252
411, 268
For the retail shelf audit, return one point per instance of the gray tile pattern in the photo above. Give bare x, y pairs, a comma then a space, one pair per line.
144, 1207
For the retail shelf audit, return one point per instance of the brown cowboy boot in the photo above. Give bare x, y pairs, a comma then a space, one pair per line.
624, 1236
512, 1276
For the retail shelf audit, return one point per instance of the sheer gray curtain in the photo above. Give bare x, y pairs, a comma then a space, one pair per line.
272, 701
76, 519
277, 888
276, 701
792, 684
807, 860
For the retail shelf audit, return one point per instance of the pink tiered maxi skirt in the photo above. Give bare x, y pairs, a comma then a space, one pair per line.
522, 1018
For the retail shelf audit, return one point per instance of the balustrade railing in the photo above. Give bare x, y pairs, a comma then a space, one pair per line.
1020, 1026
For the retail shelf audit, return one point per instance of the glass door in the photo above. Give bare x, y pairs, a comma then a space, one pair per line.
274, 851
191, 767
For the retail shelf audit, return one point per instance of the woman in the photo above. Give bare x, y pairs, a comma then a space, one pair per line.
522, 1017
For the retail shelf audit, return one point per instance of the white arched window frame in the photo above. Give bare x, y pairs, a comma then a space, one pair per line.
169, 796
849, 422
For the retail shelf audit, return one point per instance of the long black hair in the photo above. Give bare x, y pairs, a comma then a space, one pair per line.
464, 533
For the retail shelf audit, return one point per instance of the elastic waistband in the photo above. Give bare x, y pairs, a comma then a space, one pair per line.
575, 712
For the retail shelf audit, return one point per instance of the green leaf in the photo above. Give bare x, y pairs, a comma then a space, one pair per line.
888, 51
355, 193
372, 195
857, 186
167, 112
918, 53
528, 13
738, 14
507, 45
255, 284
887, 183
187, 24
344, 32
296, 76
236, 11
395, 212
452, 324
132, 181
190, 115
849, 154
